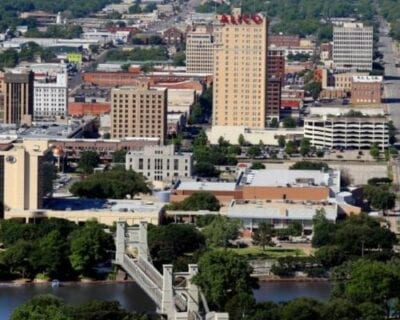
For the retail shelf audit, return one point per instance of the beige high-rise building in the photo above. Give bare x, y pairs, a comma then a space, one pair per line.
17, 90
24, 175
200, 49
240, 70
139, 111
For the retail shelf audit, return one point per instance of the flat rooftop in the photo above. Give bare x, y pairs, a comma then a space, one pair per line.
206, 186
285, 177
78, 204
292, 210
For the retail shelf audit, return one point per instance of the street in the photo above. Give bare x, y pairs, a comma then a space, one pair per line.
392, 78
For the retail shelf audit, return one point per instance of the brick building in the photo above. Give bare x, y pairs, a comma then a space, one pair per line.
88, 108
279, 41
276, 73
366, 90
173, 37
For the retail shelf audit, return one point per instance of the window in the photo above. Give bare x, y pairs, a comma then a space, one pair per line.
140, 164
176, 164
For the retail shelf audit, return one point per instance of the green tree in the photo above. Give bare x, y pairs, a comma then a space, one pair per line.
224, 274
17, 258
274, 123
302, 309
290, 148
168, 243
42, 307
205, 169
197, 201
324, 230
263, 234
88, 161
119, 156
314, 88
116, 183
289, 122
374, 151
370, 282
254, 151
281, 141
305, 147
257, 166
50, 256
179, 59
90, 245
310, 165
221, 230
340, 309
241, 140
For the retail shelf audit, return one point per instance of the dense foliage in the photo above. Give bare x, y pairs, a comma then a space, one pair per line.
138, 54
197, 201
51, 308
303, 17
10, 9
56, 31
29, 52
54, 248
116, 183
309, 165
169, 243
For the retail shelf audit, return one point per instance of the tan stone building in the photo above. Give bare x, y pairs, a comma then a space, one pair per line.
240, 70
24, 179
17, 91
200, 49
139, 111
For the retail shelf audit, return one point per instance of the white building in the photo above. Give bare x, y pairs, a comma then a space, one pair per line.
160, 163
200, 50
347, 132
352, 47
50, 98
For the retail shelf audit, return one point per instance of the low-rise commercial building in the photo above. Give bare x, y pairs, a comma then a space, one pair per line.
160, 163
107, 212
268, 184
347, 132
280, 214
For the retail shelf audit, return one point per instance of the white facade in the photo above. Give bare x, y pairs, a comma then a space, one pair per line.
160, 163
347, 132
352, 47
200, 50
50, 99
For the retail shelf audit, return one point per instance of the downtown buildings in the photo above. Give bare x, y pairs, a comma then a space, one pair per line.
352, 47
240, 71
139, 111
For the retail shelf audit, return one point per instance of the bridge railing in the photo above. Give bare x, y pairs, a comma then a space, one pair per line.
142, 279
149, 269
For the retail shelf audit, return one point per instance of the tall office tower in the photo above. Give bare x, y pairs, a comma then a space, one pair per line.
24, 175
18, 97
240, 70
352, 47
200, 49
276, 72
139, 112
50, 96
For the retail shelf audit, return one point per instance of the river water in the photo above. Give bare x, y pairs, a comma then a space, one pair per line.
133, 298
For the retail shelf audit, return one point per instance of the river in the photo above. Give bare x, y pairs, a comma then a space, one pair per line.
133, 298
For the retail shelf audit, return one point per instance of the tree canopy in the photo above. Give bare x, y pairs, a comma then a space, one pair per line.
116, 183
49, 307
197, 201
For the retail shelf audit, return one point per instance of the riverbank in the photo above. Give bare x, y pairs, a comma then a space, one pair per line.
290, 279
20, 282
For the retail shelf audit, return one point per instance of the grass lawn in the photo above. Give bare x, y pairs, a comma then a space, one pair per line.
269, 252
